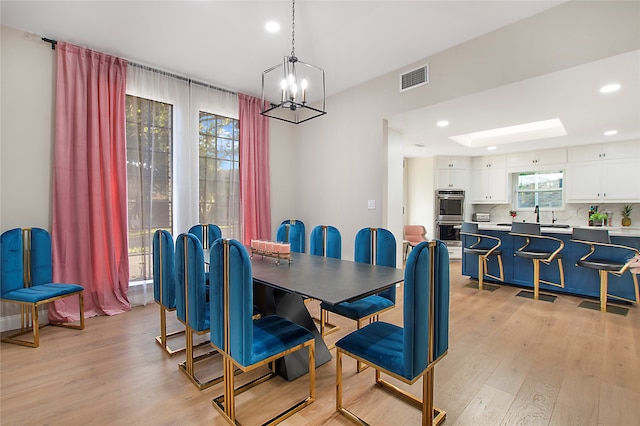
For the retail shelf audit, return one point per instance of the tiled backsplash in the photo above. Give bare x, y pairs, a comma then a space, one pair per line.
573, 214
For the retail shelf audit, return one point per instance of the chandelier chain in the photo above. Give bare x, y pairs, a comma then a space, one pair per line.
293, 29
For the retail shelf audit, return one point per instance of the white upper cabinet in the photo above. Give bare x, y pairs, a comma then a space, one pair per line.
609, 151
536, 160
489, 180
452, 163
452, 172
604, 173
489, 161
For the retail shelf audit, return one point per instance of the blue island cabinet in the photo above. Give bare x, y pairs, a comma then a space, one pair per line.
577, 281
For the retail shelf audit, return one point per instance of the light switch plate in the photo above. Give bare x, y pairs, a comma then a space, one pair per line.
371, 205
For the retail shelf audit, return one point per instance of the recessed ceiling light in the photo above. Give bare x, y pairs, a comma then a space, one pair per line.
272, 27
610, 88
491, 148
610, 132
521, 132
442, 123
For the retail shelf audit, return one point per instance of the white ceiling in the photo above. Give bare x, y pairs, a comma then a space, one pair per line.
572, 95
225, 43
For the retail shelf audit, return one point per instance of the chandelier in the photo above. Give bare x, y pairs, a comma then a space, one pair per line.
290, 88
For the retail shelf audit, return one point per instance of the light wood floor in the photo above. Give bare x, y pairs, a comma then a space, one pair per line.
511, 361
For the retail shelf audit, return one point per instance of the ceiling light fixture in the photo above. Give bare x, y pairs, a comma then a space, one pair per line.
610, 88
442, 123
272, 27
289, 88
610, 132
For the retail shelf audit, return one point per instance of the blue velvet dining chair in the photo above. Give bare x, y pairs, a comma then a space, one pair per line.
192, 307
376, 246
411, 352
211, 230
246, 343
26, 279
325, 240
293, 232
164, 285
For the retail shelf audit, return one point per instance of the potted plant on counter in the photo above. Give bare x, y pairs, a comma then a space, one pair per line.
597, 218
626, 213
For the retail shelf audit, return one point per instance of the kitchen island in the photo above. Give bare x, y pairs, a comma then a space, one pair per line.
577, 281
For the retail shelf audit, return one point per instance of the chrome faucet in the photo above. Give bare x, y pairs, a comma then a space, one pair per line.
537, 212
553, 217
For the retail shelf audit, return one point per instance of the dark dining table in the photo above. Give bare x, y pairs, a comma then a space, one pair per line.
280, 288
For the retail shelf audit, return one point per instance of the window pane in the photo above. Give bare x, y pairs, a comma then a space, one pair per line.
219, 177
149, 179
544, 189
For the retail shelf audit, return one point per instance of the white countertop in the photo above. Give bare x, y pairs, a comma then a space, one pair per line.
625, 231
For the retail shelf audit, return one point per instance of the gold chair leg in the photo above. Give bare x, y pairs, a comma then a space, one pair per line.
536, 279
604, 283
480, 272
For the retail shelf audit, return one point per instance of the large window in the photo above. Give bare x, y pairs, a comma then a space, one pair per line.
219, 173
149, 176
542, 189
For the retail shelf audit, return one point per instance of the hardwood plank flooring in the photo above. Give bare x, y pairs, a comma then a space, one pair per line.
511, 361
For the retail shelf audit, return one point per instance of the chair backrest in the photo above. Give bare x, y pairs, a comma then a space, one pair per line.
191, 291
594, 235
26, 258
423, 292
525, 228
414, 233
228, 258
377, 246
292, 232
164, 274
212, 231
378, 240
325, 241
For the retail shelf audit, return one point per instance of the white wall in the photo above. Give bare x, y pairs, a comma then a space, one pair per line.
421, 194
27, 87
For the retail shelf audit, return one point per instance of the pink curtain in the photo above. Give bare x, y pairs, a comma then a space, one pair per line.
89, 229
255, 196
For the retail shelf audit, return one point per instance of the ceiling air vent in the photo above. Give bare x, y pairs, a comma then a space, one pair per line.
414, 78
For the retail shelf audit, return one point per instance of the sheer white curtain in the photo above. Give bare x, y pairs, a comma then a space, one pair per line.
158, 86
223, 103
188, 99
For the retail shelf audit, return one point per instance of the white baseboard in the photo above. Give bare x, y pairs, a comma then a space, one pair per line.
14, 322
140, 294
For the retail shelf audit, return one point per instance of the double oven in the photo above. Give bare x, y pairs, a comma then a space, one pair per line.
449, 215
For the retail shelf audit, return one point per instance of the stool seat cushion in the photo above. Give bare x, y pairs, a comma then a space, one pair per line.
273, 335
360, 308
481, 251
41, 292
381, 343
600, 264
536, 254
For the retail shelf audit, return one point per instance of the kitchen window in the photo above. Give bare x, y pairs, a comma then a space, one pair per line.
544, 189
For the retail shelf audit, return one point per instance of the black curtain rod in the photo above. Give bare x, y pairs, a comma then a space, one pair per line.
53, 42
148, 68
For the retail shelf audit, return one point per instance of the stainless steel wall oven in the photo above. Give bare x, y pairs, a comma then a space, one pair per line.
449, 215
